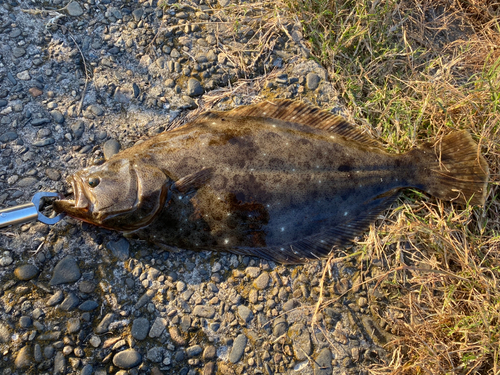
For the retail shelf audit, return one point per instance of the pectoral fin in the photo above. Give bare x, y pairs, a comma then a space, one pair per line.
193, 181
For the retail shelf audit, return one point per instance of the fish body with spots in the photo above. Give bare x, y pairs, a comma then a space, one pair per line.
281, 180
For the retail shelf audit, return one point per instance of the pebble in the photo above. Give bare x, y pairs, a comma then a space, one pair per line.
96, 109
244, 313
104, 324
66, 271
120, 248
140, 328
127, 359
95, 341
8, 136
77, 128
23, 358
73, 325
74, 9
252, 272
238, 348
24, 75
280, 327
312, 81
194, 350
53, 174
262, 281
155, 354
204, 311
301, 341
209, 353
110, 148
70, 302
57, 116
40, 121
176, 336
55, 298
4, 333
26, 272
323, 362
158, 327
27, 181
25, 322
35, 92
194, 87
86, 286
59, 363
88, 306
18, 52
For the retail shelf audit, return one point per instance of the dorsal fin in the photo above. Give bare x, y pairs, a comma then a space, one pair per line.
303, 114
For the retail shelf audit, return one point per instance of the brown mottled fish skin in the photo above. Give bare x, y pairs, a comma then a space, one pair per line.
281, 180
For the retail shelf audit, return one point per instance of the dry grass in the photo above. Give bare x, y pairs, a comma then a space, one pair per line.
409, 71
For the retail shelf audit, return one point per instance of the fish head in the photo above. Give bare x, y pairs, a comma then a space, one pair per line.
120, 194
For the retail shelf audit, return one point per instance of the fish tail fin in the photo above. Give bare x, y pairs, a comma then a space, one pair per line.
455, 170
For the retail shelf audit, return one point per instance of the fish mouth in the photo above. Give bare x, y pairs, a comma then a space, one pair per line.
77, 206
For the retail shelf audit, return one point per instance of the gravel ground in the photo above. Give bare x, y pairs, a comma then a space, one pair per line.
78, 82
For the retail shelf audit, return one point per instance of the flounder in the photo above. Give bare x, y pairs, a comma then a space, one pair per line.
280, 180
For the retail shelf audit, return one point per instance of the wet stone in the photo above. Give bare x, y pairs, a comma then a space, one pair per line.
238, 348
110, 148
127, 359
26, 272
66, 271
87, 370
140, 328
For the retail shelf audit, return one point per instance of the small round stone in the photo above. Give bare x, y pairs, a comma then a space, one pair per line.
194, 350
140, 328
66, 271
238, 348
194, 87
110, 148
23, 358
312, 81
74, 9
262, 281
244, 313
127, 359
26, 272
25, 322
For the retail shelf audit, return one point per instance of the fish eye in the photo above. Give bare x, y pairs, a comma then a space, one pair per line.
94, 181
